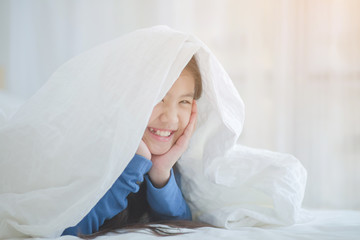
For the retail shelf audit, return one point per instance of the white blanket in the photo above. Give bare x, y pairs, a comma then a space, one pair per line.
326, 225
65, 146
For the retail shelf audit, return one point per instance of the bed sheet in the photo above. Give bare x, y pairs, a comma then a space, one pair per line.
325, 225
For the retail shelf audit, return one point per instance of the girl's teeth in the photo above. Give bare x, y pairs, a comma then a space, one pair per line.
163, 133
160, 133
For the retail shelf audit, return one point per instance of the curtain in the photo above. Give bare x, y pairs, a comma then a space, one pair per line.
295, 63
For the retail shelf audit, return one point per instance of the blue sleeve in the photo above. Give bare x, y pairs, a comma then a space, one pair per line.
115, 199
167, 203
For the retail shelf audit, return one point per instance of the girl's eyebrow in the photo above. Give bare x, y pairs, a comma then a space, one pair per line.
188, 95
183, 95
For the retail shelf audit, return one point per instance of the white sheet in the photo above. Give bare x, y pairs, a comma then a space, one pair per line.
326, 225
65, 147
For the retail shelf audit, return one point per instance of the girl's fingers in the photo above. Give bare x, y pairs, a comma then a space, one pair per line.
184, 139
143, 150
192, 122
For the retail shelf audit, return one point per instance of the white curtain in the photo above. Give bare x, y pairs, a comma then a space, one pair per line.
296, 64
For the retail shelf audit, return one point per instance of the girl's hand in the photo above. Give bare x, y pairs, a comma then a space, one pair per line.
162, 164
143, 150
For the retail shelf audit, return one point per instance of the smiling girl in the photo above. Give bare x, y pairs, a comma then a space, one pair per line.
167, 135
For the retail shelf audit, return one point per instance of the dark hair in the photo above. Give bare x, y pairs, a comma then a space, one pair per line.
194, 69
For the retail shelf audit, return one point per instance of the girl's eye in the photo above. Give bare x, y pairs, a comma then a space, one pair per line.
185, 102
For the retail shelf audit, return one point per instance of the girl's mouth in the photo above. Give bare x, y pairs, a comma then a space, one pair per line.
161, 134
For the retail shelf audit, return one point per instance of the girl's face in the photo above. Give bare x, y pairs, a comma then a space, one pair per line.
170, 117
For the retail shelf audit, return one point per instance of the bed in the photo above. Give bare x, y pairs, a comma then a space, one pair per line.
325, 225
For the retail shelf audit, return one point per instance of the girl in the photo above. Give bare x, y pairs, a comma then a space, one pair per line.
166, 137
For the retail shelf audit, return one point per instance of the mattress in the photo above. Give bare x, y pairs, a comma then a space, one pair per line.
325, 224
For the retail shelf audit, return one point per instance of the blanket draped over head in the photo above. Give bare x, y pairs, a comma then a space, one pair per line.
65, 147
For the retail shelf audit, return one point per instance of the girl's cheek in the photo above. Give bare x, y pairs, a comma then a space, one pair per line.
155, 113
186, 118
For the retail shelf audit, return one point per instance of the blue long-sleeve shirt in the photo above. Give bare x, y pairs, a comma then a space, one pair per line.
166, 203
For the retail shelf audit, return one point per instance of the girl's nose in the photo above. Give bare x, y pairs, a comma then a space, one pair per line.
169, 115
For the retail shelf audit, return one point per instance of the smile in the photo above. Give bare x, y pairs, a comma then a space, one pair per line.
161, 133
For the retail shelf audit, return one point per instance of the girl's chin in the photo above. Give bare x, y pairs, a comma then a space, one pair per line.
159, 151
